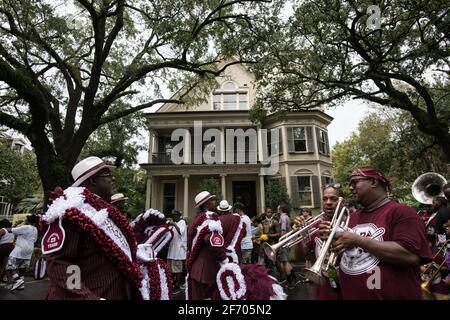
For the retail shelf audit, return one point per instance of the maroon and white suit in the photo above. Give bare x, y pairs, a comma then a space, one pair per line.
100, 277
90, 249
204, 268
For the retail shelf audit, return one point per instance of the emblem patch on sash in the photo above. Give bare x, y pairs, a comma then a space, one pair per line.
216, 239
53, 239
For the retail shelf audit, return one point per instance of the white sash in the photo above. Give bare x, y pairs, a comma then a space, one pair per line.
101, 220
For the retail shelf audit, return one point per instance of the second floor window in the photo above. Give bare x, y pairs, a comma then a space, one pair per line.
300, 139
299, 136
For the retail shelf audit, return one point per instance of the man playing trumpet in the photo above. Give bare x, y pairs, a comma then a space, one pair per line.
328, 290
389, 240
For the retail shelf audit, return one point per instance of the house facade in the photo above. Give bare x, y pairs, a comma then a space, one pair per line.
217, 140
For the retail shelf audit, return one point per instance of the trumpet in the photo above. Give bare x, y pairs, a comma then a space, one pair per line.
327, 259
292, 238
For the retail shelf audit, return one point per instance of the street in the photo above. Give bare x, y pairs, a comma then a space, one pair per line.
36, 290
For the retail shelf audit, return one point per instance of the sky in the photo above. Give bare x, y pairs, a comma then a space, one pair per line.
346, 119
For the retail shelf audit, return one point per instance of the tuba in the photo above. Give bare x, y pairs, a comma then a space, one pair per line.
427, 186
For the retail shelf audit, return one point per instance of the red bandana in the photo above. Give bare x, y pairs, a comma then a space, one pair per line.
372, 173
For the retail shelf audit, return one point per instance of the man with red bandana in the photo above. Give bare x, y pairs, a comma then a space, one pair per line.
390, 243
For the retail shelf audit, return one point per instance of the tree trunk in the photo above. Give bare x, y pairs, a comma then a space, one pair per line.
439, 130
54, 169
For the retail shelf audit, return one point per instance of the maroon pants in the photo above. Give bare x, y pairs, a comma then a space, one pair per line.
201, 291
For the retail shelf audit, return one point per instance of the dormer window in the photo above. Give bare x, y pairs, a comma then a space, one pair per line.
230, 97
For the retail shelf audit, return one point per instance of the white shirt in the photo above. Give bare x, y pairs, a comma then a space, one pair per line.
7, 238
26, 237
247, 242
178, 245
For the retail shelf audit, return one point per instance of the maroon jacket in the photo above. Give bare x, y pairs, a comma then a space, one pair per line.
206, 265
100, 278
229, 223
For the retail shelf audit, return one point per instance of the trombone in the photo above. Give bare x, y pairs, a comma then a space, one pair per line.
429, 279
292, 237
327, 259
426, 285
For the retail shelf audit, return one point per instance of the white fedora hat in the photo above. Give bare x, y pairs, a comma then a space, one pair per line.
202, 197
86, 168
118, 197
224, 206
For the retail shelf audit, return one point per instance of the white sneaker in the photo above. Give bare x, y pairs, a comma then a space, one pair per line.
19, 282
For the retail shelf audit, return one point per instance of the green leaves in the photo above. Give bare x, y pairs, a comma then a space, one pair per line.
325, 53
212, 186
276, 194
18, 173
390, 141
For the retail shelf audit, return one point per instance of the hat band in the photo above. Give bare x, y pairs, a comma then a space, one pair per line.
102, 164
202, 201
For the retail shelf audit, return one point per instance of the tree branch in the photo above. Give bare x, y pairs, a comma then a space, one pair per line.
127, 112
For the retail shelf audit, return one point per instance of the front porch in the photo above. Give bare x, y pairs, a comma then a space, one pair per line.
175, 187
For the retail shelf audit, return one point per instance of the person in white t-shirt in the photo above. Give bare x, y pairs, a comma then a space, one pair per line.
20, 257
176, 255
246, 243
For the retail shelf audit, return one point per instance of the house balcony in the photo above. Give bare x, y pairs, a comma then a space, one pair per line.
165, 158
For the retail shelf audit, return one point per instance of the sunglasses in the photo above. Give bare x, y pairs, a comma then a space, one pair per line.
108, 174
333, 185
354, 182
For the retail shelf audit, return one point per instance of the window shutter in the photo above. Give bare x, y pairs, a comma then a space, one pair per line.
324, 181
294, 192
318, 140
309, 139
280, 141
316, 191
327, 144
290, 138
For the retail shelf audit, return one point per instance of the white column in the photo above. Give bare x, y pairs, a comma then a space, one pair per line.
284, 141
148, 194
262, 193
315, 142
260, 146
223, 185
187, 147
222, 145
319, 176
150, 145
186, 195
288, 179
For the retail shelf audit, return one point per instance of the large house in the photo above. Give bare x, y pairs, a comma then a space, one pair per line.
300, 156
